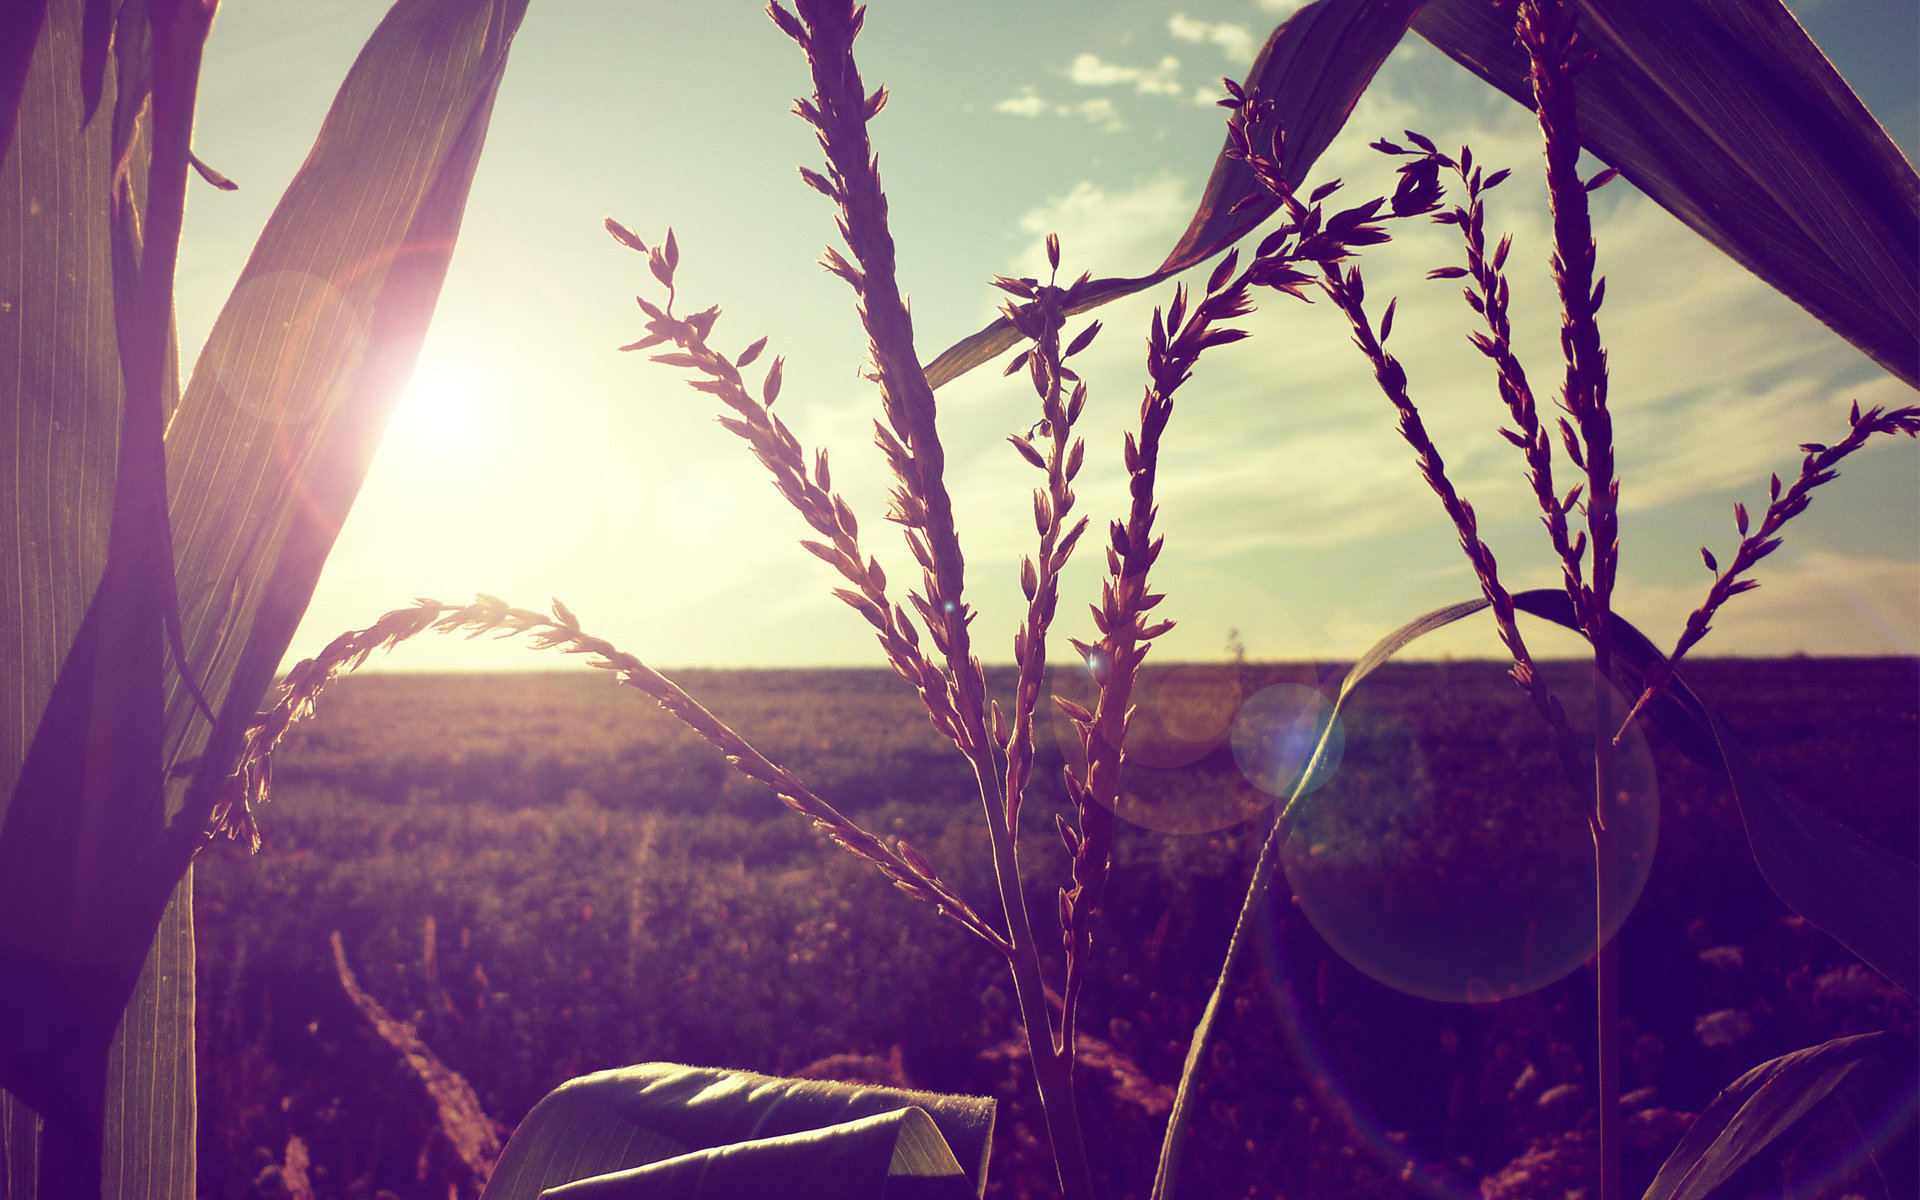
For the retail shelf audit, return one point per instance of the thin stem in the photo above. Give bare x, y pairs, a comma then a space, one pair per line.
1547, 32
1818, 467
1606, 955
839, 111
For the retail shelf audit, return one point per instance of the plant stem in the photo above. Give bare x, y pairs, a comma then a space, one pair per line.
1052, 1067
1607, 956
1607, 986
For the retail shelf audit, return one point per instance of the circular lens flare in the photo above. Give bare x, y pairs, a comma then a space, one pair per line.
1179, 773
1458, 863
1276, 734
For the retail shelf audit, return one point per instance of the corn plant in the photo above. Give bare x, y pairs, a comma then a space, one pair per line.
1619, 78
1569, 70
160, 543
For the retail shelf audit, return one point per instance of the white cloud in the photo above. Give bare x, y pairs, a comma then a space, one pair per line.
1237, 42
1809, 601
1099, 112
1026, 104
1110, 232
1090, 70
1283, 452
1282, 8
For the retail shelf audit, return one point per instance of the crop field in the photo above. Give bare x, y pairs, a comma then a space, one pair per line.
545, 876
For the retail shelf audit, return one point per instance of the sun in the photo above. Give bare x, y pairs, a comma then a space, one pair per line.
444, 415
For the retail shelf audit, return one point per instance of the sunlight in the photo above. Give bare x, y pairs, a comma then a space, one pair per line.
445, 415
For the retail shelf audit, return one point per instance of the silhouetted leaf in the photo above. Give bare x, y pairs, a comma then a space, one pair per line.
263, 456
1860, 893
1759, 1111
1727, 115
1314, 67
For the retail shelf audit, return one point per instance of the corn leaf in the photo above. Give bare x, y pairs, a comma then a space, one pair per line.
1313, 67
1860, 893
662, 1130
82, 546
258, 465
306, 361
1757, 1114
1863, 894
1727, 115
1723, 111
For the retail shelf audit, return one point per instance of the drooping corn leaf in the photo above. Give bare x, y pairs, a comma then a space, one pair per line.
1863, 895
1727, 115
653, 1130
1759, 1111
1313, 67
88, 864
1723, 111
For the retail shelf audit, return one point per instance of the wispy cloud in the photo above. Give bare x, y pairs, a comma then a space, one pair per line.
1123, 231
1283, 452
1161, 79
1098, 111
1236, 42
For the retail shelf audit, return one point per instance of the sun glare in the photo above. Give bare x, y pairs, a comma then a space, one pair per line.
445, 414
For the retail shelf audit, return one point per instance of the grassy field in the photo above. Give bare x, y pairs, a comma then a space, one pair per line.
546, 877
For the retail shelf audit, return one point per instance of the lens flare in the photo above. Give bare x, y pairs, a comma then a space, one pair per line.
1180, 773
301, 371
1275, 736
1457, 863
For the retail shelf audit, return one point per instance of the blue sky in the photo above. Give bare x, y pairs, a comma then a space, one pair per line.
531, 460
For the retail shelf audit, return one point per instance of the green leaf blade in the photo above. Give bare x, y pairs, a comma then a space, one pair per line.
646, 1130
66, 297
88, 868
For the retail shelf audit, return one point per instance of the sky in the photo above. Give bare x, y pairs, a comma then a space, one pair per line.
531, 460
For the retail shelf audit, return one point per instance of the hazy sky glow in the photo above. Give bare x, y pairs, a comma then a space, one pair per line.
531, 460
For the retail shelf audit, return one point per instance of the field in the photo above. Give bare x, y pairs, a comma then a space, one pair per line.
545, 876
